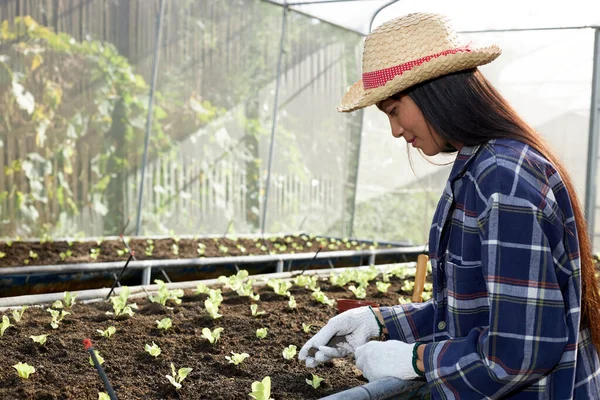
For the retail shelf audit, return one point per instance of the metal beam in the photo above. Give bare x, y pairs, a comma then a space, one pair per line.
592, 164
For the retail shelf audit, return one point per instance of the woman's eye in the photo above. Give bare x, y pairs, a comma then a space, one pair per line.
393, 111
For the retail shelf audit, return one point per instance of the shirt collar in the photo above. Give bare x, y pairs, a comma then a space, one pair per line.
463, 159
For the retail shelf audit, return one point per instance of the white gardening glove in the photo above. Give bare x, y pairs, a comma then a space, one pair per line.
340, 337
378, 360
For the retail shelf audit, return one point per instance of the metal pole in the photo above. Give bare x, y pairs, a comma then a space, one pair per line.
146, 274
590, 182
353, 211
274, 122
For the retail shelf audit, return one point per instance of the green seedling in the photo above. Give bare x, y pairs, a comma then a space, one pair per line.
149, 248
292, 302
201, 249
306, 327
18, 314
40, 339
2, 254
69, 299
94, 253
33, 255
103, 396
121, 252
201, 289
289, 352
153, 350
382, 286
164, 294
237, 358
108, 332
359, 292
24, 370
212, 309
176, 378
5, 325
322, 298
315, 382
261, 333
261, 390
57, 317
65, 254
254, 310
98, 357
164, 323
214, 336
119, 303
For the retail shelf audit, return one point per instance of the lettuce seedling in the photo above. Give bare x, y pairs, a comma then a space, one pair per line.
150, 248
280, 287
201, 289
292, 302
261, 390
24, 370
322, 298
40, 339
306, 327
201, 249
98, 357
108, 332
65, 254
237, 358
308, 282
57, 304
212, 309
57, 317
121, 252
382, 286
214, 336
153, 350
164, 323
176, 378
103, 396
175, 248
18, 314
94, 253
215, 296
289, 352
315, 382
164, 294
408, 286
261, 333
5, 325
359, 292
2, 254
119, 303
403, 300
254, 310
69, 299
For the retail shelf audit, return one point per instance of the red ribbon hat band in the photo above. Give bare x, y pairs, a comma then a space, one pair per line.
375, 79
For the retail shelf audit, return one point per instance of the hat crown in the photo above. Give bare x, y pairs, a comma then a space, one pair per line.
406, 39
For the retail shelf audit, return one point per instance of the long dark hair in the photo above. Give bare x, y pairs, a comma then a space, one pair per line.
464, 107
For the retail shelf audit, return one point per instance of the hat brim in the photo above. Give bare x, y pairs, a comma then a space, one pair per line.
357, 98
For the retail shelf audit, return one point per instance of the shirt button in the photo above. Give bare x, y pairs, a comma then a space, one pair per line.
441, 325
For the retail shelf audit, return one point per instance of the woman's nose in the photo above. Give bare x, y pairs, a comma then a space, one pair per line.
397, 130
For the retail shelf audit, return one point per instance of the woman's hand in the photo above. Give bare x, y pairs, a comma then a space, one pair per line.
340, 337
393, 358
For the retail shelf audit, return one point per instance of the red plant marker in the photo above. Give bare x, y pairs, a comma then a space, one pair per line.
87, 344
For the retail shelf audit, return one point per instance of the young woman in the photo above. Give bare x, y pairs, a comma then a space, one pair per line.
515, 309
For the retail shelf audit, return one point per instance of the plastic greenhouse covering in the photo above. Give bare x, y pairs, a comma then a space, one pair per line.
75, 109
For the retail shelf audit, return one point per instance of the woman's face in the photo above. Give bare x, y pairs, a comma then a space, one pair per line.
407, 120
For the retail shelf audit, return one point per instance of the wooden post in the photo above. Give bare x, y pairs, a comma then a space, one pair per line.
420, 278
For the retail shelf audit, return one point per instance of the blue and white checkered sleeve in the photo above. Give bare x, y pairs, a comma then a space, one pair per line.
527, 331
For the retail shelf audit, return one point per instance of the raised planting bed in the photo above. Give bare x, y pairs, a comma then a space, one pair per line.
65, 265
14, 253
62, 369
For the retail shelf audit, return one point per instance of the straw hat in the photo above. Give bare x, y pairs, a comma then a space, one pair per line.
409, 50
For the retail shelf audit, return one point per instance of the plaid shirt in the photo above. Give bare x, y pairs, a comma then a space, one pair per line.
504, 318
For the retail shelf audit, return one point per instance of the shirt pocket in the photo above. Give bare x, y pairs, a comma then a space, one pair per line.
468, 303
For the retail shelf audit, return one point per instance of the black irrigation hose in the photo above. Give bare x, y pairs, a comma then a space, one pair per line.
87, 343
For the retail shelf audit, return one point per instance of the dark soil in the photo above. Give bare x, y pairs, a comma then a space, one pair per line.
63, 371
20, 253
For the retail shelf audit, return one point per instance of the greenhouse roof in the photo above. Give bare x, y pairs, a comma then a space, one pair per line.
467, 15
